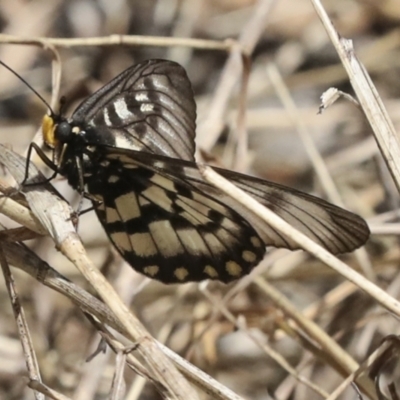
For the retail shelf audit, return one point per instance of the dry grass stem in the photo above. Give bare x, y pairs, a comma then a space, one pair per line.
367, 95
297, 327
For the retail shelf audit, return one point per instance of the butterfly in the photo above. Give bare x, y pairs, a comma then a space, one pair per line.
130, 147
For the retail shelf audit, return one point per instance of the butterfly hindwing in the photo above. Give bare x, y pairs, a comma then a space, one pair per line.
332, 227
167, 229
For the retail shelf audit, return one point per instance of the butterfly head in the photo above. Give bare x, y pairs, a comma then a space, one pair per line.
57, 131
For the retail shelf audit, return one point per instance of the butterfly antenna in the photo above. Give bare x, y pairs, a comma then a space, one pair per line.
28, 85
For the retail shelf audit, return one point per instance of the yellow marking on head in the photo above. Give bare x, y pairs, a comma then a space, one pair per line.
127, 206
211, 271
151, 270
181, 273
121, 241
48, 128
143, 244
233, 268
256, 242
249, 256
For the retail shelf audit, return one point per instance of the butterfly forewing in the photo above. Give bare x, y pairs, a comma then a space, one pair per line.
149, 107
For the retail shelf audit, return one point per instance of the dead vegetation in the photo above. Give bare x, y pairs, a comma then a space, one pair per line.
294, 328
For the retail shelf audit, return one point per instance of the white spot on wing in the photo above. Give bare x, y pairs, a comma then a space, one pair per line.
146, 107
181, 273
249, 256
121, 109
121, 241
127, 206
193, 242
226, 237
255, 241
193, 214
158, 196
113, 179
229, 225
190, 218
210, 271
159, 164
233, 268
189, 205
106, 117
143, 201
124, 143
111, 215
214, 244
143, 244
124, 159
151, 270
163, 182
141, 97
165, 238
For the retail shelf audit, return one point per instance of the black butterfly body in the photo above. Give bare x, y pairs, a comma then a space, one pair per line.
131, 146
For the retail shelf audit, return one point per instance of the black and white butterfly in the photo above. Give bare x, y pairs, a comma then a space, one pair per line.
131, 146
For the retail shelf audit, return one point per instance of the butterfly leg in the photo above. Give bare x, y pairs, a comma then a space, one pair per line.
96, 203
45, 159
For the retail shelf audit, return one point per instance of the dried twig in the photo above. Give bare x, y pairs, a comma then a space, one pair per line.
55, 215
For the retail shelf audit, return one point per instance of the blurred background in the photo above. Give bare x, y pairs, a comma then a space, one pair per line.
286, 35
